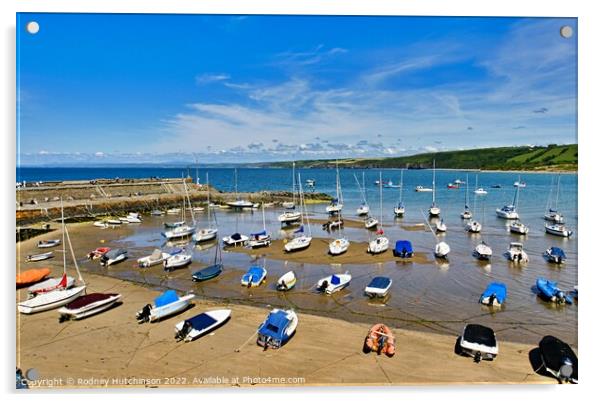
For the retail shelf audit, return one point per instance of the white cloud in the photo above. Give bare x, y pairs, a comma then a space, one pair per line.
204, 79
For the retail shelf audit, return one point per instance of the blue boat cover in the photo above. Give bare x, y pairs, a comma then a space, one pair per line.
547, 287
379, 282
201, 321
335, 280
300, 230
254, 274
334, 201
166, 298
275, 325
262, 233
558, 252
403, 245
495, 288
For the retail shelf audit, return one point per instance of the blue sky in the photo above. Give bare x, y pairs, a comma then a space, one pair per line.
99, 88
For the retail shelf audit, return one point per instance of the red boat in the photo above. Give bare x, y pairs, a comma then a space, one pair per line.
453, 186
99, 252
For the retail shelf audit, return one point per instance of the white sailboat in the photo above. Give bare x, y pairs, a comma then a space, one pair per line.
262, 238
60, 295
290, 216
336, 204
301, 240
400, 208
291, 204
364, 208
510, 211
209, 232
473, 226
552, 214
434, 210
482, 251
182, 230
239, 203
442, 249
466, 214
341, 244
380, 244
479, 190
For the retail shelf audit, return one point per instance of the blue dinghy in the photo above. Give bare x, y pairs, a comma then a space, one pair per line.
555, 255
403, 249
207, 273
277, 329
494, 295
549, 291
254, 276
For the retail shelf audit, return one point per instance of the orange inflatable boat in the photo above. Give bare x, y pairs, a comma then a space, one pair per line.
32, 276
380, 339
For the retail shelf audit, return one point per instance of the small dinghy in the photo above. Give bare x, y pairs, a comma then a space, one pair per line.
174, 211
380, 339
197, 326
113, 257
555, 255
482, 251
370, 223
516, 253
97, 253
39, 257
494, 295
235, 240
157, 257
479, 342
338, 246
207, 273
519, 228
177, 261
254, 276
403, 249
31, 276
558, 229
559, 359
51, 284
333, 283
169, 303
378, 287
85, 306
442, 249
277, 329
48, 243
286, 281
50, 300
549, 291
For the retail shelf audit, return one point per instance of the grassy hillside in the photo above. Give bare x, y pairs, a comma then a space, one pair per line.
552, 157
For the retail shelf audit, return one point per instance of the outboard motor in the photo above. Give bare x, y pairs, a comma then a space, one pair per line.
566, 371
492, 297
323, 286
144, 314
477, 357
183, 333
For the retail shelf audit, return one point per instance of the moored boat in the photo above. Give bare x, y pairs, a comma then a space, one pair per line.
177, 261
286, 281
197, 326
378, 287
482, 251
235, 240
403, 249
113, 257
167, 304
555, 255
558, 229
519, 228
494, 295
516, 253
87, 305
338, 246
157, 257
49, 243
277, 329
333, 283
549, 291
254, 276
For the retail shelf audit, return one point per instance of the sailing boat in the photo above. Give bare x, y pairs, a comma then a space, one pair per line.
363, 209
381, 243
291, 204
239, 203
510, 211
339, 245
61, 294
208, 233
473, 226
552, 214
434, 210
442, 249
182, 230
336, 205
290, 217
482, 251
479, 190
263, 238
301, 240
466, 214
211, 271
400, 209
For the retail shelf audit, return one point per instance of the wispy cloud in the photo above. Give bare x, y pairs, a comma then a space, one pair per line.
203, 79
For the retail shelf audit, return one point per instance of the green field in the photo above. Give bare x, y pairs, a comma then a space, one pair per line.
552, 157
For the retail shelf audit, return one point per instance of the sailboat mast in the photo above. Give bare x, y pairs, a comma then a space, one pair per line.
433, 182
208, 202
189, 203
400, 185
303, 206
293, 182
263, 215
236, 182
380, 178
64, 250
466, 193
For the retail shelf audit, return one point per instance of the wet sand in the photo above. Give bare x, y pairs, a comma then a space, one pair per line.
112, 350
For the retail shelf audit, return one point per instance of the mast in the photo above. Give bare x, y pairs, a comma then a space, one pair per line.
303, 207
64, 245
400, 186
380, 178
433, 182
208, 202
66, 234
189, 204
466, 194
263, 215
293, 183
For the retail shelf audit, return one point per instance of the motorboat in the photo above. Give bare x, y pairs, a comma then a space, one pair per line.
39, 257
403, 249
286, 281
157, 257
277, 329
519, 228
555, 255
442, 249
49, 243
453, 186
235, 240
478, 342
31, 276
177, 261
549, 291
380, 339
254, 276
473, 226
516, 253
87, 305
338, 246
199, 325
113, 257
482, 251
558, 229
480, 191
379, 286
167, 304
370, 223
98, 253
494, 295
559, 359
333, 283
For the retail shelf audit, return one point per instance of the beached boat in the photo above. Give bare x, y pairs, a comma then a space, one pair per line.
177, 261
180, 229
286, 281
336, 205
210, 232
482, 251
559, 359
31, 276
179, 232
333, 283
378, 287
403, 249
473, 226
479, 342
39, 257
494, 295
549, 291
338, 246
442, 249
399, 210
466, 214
113, 222
380, 243
434, 210
262, 238
277, 329
97, 253
87, 305
167, 304
440, 226
133, 217
289, 217
235, 240
211, 271
555, 255
380, 339
370, 223
516, 253
254, 276
101, 224
172, 225
199, 325
509, 211
49, 243
113, 257
364, 208
301, 241
558, 229
157, 257
519, 228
